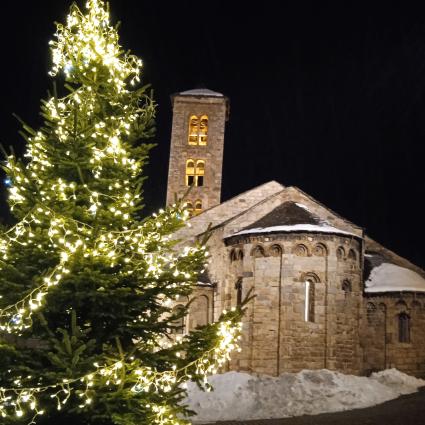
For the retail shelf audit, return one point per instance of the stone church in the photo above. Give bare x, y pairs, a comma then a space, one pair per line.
327, 296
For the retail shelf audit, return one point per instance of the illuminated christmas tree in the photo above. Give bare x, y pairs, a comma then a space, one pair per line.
87, 287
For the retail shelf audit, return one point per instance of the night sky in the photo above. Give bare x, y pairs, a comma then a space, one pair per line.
324, 96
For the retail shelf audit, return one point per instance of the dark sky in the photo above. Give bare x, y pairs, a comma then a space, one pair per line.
329, 97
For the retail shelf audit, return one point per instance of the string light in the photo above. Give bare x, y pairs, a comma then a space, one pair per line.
59, 219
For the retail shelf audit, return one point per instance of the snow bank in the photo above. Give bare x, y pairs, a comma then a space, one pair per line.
239, 396
389, 278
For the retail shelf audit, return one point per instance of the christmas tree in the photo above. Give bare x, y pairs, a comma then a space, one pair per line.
87, 286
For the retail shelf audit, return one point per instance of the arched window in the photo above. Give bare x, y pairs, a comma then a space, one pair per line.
370, 312
352, 255
200, 171
193, 130
309, 300
203, 131
238, 287
195, 173
240, 255
190, 172
233, 256
403, 327
198, 130
198, 207
258, 252
178, 324
340, 253
189, 207
310, 281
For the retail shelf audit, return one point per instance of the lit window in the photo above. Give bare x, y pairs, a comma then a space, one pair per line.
403, 327
200, 172
195, 174
198, 130
309, 301
190, 172
193, 130
203, 131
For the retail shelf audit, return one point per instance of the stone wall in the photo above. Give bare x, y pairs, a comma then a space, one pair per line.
276, 336
183, 107
380, 338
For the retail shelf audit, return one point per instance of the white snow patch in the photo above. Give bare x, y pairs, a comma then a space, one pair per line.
239, 396
304, 207
389, 278
296, 228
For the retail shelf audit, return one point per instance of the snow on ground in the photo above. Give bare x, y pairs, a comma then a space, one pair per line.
389, 278
239, 396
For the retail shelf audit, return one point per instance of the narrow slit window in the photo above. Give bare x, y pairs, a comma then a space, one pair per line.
309, 301
238, 287
403, 327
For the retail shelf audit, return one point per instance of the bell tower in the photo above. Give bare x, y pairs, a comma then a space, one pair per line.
196, 153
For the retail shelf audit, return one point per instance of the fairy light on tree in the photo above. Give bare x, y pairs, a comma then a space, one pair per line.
87, 287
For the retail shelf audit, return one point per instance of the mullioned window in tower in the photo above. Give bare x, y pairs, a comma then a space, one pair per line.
198, 130
195, 172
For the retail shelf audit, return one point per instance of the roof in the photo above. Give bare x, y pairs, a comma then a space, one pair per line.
291, 217
387, 277
219, 214
385, 271
201, 92
287, 214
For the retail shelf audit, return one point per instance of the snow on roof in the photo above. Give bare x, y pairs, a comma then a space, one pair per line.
319, 228
302, 206
389, 277
291, 217
200, 92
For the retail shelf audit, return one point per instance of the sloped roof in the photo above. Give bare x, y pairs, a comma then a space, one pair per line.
388, 277
292, 216
385, 271
222, 213
201, 92
287, 214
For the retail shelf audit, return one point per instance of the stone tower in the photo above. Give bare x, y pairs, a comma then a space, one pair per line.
197, 142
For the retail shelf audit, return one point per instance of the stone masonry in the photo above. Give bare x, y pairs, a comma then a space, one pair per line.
200, 103
307, 266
